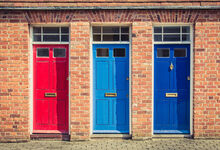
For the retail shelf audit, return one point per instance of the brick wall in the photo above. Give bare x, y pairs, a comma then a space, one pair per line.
141, 79
80, 81
14, 69
14, 85
207, 79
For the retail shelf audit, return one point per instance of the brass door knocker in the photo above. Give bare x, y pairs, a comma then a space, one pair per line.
171, 66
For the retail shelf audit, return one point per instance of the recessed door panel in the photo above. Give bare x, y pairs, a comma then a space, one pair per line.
50, 89
42, 115
59, 72
102, 112
121, 75
162, 81
111, 88
42, 77
172, 88
102, 75
121, 111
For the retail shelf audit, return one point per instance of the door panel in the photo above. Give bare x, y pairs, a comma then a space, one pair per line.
59, 72
102, 75
121, 112
50, 88
120, 70
111, 77
42, 77
102, 112
42, 115
171, 72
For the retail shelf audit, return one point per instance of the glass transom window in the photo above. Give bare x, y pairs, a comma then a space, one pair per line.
172, 34
110, 33
51, 34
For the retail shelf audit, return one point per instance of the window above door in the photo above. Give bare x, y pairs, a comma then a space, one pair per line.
50, 34
110, 33
172, 34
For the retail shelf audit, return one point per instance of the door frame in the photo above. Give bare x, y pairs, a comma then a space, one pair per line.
31, 70
91, 69
191, 68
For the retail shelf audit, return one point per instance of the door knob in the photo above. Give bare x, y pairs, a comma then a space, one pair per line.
171, 66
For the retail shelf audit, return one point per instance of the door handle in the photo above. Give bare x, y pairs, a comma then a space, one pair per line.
171, 66
110, 94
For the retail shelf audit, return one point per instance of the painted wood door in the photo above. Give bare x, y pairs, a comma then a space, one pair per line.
172, 88
111, 88
50, 88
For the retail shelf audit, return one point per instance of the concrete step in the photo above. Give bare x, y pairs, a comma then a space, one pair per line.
50, 136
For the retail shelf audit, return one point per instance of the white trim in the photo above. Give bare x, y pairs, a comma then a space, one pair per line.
60, 43
31, 65
91, 68
41, 26
191, 78
188, 42
110, 24
171, 24
91, 83
50, 25
152, 124
31, 81
117, 42
191, 68
179, 33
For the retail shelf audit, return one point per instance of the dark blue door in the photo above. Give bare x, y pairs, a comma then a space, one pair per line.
111, 88
172, 88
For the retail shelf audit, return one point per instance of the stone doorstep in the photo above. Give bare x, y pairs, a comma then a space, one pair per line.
171, 136
120, 136
50, 136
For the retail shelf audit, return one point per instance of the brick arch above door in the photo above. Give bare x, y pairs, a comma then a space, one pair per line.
66, 16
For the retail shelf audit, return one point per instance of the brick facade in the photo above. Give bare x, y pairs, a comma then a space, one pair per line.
14, 84
15, 67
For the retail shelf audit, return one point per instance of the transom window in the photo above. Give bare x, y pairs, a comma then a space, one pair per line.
110, 33
172, 34
51, 34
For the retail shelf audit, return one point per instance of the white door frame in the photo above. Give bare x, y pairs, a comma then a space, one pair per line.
91, 67
191, 67
31, 66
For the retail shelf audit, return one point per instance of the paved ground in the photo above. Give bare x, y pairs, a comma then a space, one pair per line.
117, 144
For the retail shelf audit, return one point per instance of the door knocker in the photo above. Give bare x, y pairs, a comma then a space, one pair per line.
171, 66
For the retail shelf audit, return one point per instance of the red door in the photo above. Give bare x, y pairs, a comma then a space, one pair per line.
51, 88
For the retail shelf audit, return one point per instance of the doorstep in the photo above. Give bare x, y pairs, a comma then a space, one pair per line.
50, 136
171, 136
122, 136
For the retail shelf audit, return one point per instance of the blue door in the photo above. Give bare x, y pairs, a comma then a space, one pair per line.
172, 88
111, 88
